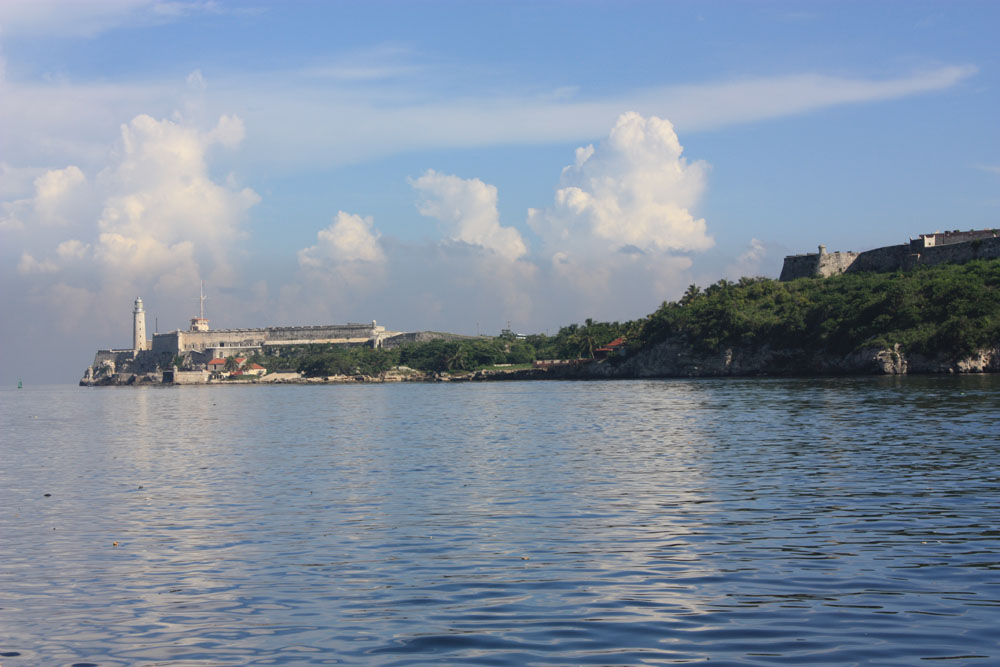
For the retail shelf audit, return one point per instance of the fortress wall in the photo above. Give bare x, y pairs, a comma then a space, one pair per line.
333, 332
893, 258
166, 343
117, 357
882, 260
987, 248
187, 377
834, 263
799, 266
946, 238
815, 265
180, 341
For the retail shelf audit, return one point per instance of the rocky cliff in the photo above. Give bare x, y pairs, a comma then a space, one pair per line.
676, 359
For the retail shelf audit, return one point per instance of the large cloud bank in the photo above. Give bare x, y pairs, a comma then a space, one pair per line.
617, 238
151, 221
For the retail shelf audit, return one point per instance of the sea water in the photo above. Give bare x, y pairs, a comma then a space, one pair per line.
757, 521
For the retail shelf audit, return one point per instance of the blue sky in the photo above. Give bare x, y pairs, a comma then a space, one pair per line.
418, 163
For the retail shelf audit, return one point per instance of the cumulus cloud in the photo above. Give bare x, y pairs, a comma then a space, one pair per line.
152, 219
622, 215
617, 239
59, 195
29, 265
350, 238
632, 193
162, 206
346, 252
467, 208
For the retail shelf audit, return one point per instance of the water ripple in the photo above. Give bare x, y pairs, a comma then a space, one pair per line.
742, 521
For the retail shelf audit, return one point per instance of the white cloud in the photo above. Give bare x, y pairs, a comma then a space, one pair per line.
161, 202
229, 132
29, 264
306, 121
151, 220
72, 250
621, 222
346, 264
349, 239
89, 18
59, 195
385, 61
632, 195
468, 210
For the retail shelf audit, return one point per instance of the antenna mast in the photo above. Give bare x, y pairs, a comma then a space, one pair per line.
202, 300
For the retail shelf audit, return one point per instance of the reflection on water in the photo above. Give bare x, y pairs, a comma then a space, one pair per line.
745, 521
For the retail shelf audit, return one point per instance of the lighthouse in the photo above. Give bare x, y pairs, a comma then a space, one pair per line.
139, 327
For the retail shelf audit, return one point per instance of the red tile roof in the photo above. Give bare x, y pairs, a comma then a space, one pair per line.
256, 367
612, 346
217, 362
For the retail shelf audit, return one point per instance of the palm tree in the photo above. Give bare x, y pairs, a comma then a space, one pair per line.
693, 291
458, 359
231, 364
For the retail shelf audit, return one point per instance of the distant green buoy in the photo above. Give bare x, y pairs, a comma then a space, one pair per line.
19, 385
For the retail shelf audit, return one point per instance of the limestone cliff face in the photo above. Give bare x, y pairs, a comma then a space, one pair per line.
676, 359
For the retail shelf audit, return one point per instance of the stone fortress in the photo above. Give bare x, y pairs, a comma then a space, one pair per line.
927, 249
152, 360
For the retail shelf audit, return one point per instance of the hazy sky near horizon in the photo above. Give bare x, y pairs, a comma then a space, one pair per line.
460, 165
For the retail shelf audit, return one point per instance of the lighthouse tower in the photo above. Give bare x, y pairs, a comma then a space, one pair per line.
139, 327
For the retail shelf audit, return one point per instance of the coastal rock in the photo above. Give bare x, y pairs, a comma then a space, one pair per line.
674, 358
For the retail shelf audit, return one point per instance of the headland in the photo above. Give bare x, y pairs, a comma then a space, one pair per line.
929, 306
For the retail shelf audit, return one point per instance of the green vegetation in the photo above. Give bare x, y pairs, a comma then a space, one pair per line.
955, 308
449, 356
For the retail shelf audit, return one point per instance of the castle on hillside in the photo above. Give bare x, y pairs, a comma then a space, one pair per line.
927, 249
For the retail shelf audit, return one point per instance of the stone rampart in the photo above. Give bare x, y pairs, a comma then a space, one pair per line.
834, 263
334, 332
988, 248
221, 340
116, 357
889, 258
799, 266
881, 260
185, 377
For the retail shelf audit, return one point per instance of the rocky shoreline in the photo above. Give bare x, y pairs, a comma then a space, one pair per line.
674, 359
670, 359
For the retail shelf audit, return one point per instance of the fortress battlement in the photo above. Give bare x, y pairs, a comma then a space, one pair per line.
952, 247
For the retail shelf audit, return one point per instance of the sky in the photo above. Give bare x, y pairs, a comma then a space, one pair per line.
463, 166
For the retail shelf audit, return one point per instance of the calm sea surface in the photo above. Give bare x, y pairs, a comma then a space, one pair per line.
738, 521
